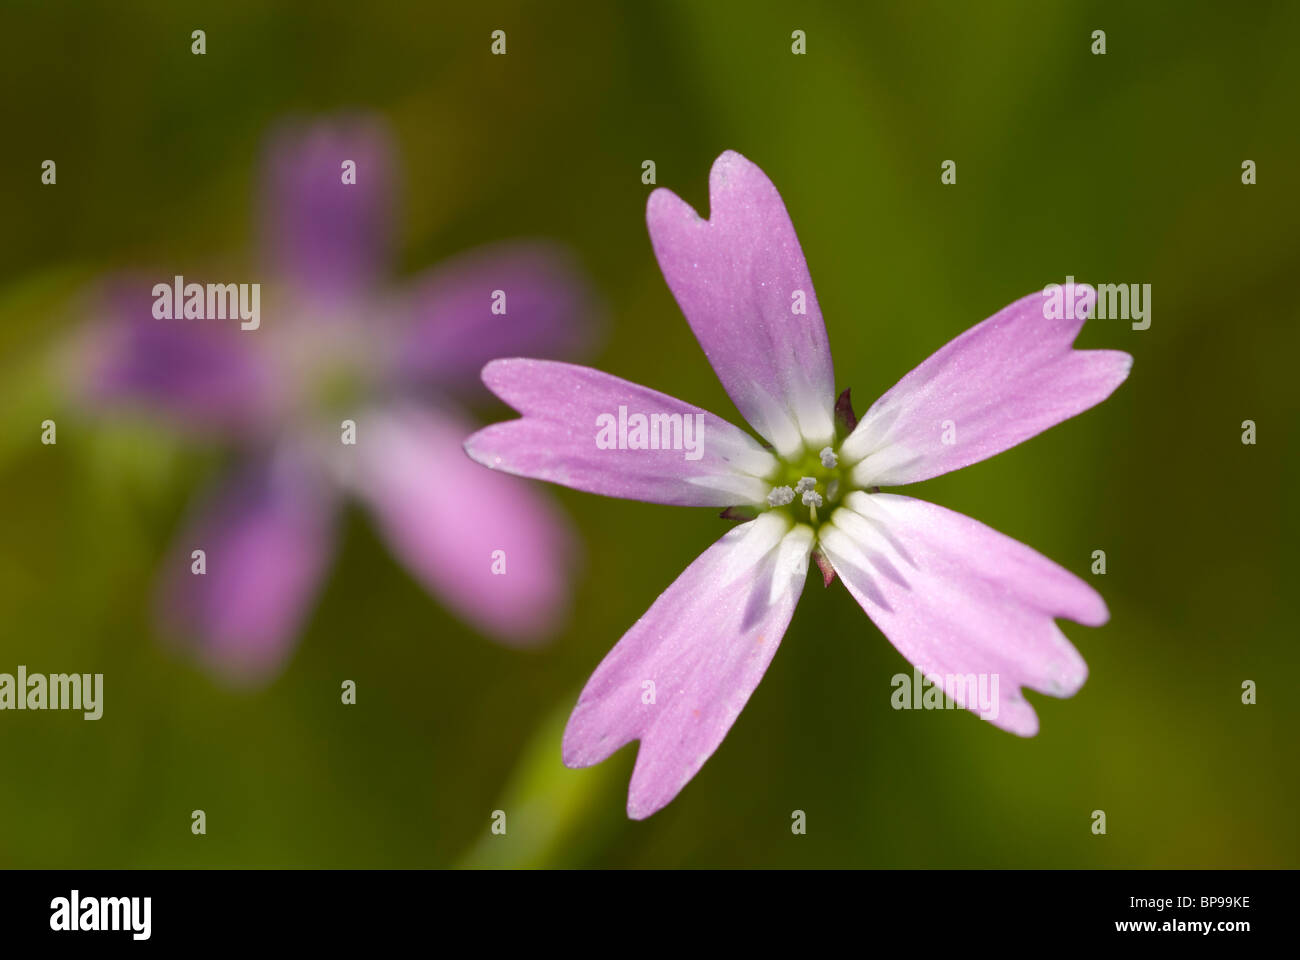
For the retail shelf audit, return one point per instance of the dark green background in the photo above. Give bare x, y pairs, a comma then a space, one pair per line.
1117, 168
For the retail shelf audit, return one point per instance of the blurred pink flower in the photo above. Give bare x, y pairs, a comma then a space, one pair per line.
335, 345
955, 597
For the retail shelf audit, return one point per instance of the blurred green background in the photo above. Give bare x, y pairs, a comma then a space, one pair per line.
1117, 168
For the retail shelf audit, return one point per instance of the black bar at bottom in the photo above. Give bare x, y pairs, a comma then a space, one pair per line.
378, 908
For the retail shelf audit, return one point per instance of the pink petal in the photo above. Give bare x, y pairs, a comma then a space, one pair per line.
446, 519
328, 238
735, 277
203, 374
556, 439
267, 538
453, 331
998, 384
704, 644
958, 598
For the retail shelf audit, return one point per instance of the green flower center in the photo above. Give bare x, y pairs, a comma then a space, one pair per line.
810, 487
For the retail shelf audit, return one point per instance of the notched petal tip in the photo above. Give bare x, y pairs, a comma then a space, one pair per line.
1099, 617
663, 203
1026, 728
1090, 610
663, 207
572, 759
477, 446
578, 748
1123, 362
727, 165
1073, 683
636, 811
493, 370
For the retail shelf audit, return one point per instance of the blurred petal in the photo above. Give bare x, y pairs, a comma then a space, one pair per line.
564, 409
202, 373
958, 598
704, 647
737, 277
998, 384
451, 523
328, 238
454, 330
266, 539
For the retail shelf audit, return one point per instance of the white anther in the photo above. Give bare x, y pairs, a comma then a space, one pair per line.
811, 498
780, 496
829, 460
805, 484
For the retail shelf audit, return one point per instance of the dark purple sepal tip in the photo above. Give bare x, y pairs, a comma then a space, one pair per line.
845, 419
824, 565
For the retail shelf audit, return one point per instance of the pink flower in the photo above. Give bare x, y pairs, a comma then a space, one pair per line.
335, 344
955, 597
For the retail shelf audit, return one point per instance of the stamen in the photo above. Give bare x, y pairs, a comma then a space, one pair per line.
805, 484
828, 458
811, 498
780, 496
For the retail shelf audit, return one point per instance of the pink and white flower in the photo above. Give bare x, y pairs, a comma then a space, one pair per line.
341, 342
954, 596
